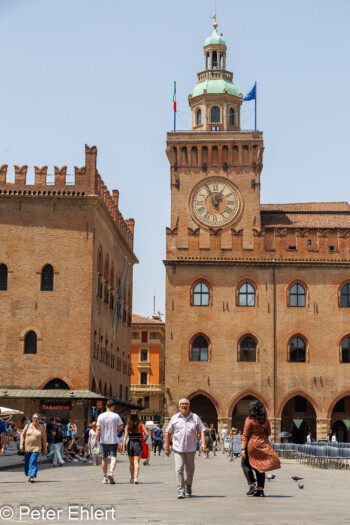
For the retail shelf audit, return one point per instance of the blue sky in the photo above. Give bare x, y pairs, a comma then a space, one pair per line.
102, 71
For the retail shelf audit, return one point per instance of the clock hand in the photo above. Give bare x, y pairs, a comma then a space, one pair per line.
211, 195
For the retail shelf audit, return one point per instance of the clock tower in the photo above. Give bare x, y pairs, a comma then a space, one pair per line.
215, 213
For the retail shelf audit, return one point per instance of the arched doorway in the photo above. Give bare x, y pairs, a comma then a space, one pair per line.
240, 412
341, 412
299, 418
340, 430
205, 409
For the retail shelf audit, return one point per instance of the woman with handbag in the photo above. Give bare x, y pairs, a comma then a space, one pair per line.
136, 435
257, 452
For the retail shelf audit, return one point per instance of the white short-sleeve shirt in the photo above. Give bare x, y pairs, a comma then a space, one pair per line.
109, 422
185, 431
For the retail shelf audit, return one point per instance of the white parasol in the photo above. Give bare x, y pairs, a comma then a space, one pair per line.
6, 413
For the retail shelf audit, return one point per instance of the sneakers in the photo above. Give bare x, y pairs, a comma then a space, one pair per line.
181, 494
111, 478
136, 482
252, 490
105, 481
188, 492
131, 480
32, 480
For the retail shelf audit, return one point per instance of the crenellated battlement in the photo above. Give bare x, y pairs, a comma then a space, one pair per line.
86, 181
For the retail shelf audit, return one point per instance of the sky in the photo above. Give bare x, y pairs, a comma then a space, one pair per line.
101, 72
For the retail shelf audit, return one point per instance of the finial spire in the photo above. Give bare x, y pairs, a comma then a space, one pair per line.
215, 24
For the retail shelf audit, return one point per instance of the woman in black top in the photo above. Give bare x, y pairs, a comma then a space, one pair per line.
134, 447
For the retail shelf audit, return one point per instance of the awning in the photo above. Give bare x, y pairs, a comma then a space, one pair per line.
50, 394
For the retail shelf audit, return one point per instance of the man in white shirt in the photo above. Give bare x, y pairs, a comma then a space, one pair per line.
183, 429
108, 425
223, 435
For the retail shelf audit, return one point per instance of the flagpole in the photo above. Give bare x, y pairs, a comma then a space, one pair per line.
256, 96
174, 106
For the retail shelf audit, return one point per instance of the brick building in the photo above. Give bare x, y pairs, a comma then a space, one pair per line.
148, 366
62, 252
257, 295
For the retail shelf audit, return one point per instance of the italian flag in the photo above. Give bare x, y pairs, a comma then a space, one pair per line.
174, 97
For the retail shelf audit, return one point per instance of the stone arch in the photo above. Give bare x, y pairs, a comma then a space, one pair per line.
302, 393
338, 397
244, 393
60, 377
205, 406
299, 416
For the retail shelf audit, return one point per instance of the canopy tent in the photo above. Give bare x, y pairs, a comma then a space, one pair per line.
7, 413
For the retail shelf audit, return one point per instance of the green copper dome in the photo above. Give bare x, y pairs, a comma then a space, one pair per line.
215, 38
218, 85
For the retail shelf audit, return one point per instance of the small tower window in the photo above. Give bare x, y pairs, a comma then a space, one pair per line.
3, 277
47, 278
199, 117
215, 114
215, 60
30, 343
232, 117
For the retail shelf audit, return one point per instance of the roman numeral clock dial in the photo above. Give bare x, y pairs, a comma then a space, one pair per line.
215, 203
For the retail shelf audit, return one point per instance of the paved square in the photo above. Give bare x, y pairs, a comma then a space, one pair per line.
219, 494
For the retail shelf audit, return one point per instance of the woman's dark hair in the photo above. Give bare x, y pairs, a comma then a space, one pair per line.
133, 423
257, 411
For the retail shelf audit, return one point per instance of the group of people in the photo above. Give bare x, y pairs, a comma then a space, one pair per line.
106, 436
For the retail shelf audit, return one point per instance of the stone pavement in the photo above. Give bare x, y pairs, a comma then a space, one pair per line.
219, 495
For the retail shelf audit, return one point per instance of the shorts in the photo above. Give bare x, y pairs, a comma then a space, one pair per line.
134, 447
109, 450
49, 438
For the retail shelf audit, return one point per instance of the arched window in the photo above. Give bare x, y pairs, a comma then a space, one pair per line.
47, 278
297, 295
56, 384
3, 277
246, 295
199, 351
231, 117
201, 295
215, 114
297, 350
345, 350
247, 351
199, 117
345, 296
30, 343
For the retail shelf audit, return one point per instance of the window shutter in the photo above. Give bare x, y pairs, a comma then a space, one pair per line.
340, 353
238, 352
288, 296
307, 353
288, 352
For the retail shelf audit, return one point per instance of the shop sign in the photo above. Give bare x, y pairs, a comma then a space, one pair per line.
347, 423
55, 408
93, 411
99, 404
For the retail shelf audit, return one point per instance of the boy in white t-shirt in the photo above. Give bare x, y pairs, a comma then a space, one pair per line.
108, 425
223, 435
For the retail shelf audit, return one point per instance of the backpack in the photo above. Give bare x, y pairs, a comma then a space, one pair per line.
59, 434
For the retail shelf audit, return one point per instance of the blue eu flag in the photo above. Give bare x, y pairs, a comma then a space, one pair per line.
251, 95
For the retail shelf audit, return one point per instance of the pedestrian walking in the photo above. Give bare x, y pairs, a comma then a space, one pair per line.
3, 437
135, 433
208, 441
257, 452
223, 435
108, 425
308, 438
183, 429
148, 442
49, 438
58, 436
94, 452
158, 440
213, 437
34, 435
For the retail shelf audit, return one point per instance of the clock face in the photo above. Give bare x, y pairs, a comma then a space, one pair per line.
215, 202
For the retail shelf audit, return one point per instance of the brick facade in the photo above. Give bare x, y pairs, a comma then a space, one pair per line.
79, 231
271, 248
148, 358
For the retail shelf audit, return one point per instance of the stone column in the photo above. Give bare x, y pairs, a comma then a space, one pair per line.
224, 421
322, 427
275, 428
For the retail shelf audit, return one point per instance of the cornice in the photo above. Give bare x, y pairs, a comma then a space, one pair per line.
241, 261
